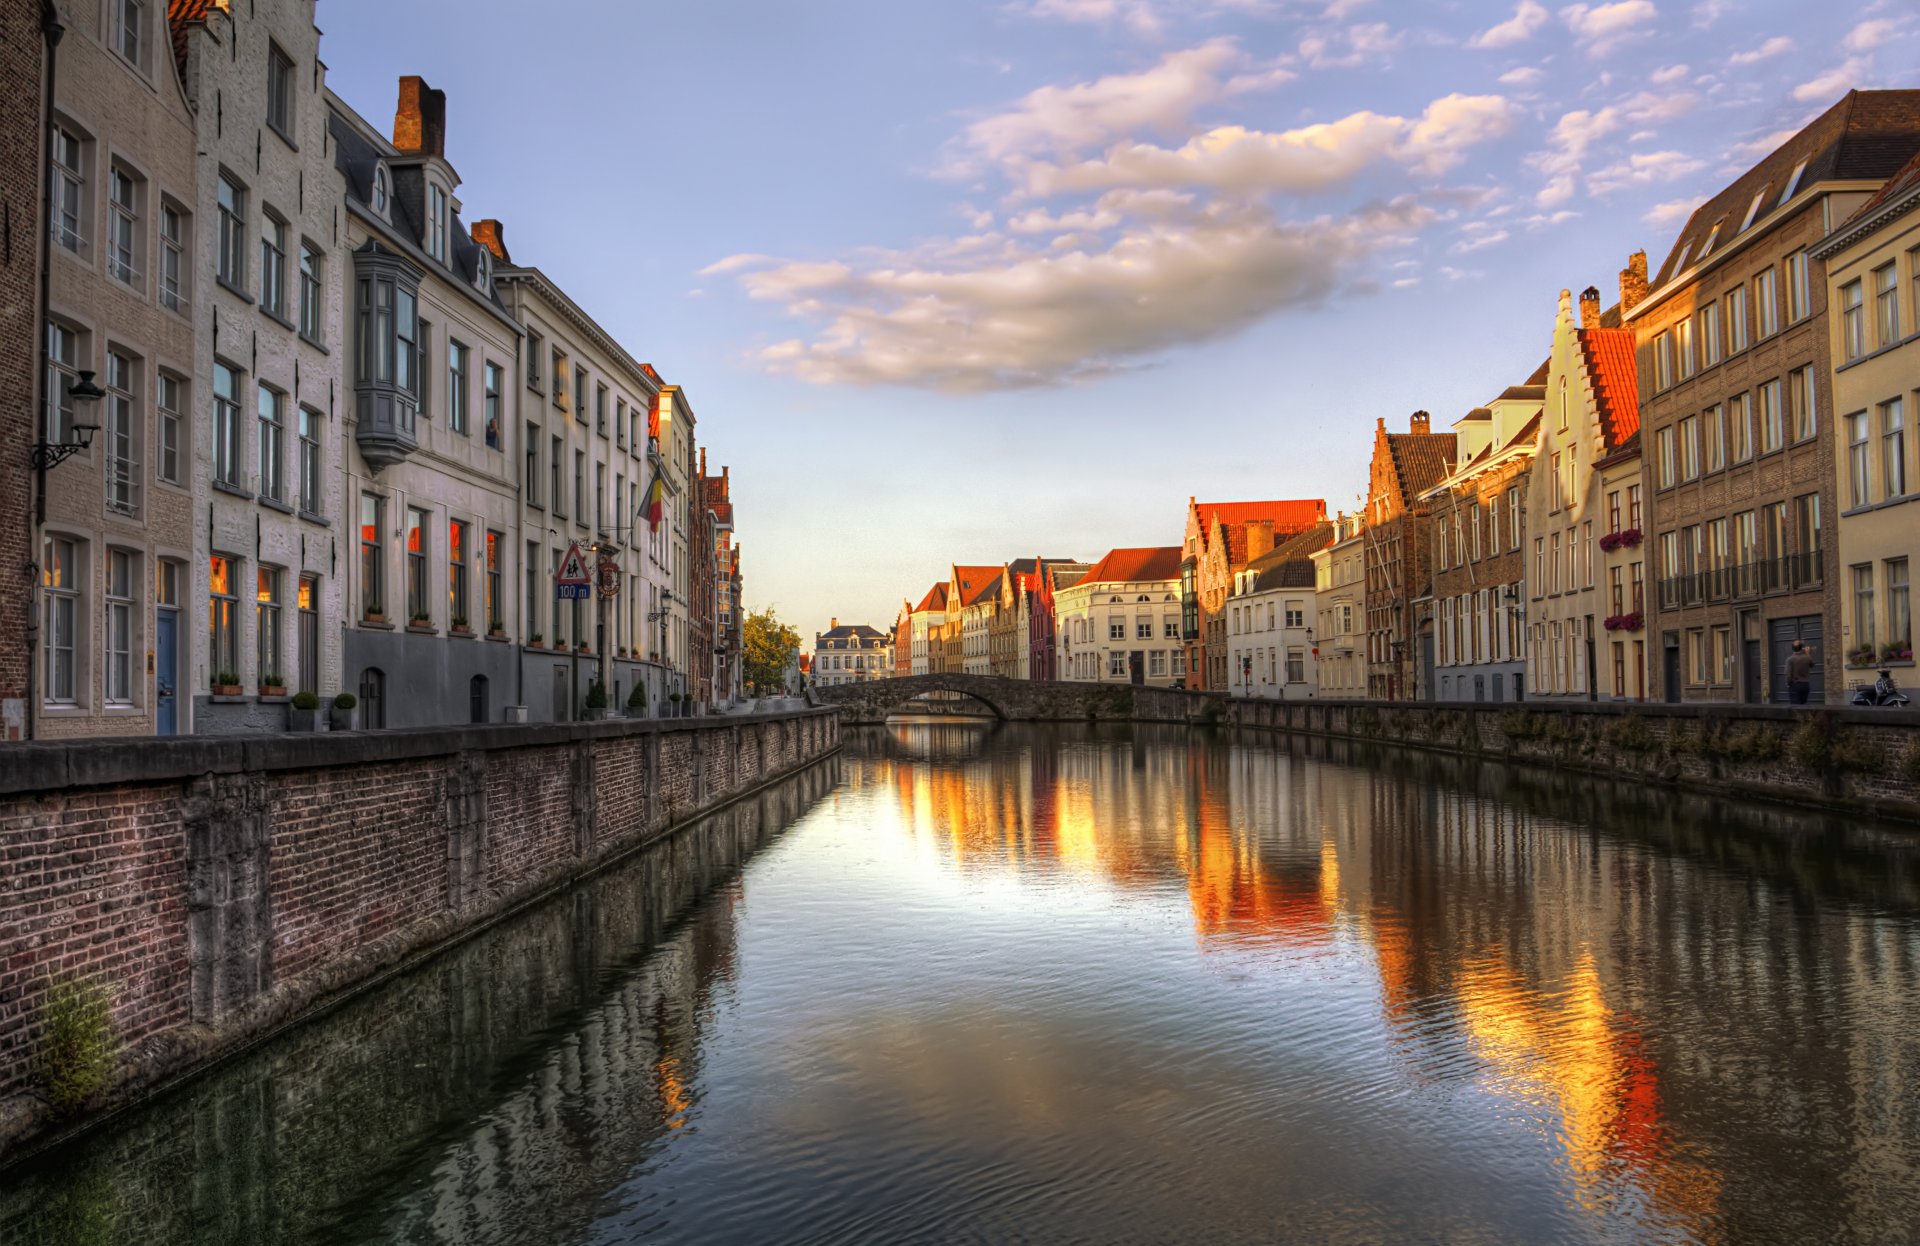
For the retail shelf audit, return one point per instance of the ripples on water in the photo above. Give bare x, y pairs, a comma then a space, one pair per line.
1060, 985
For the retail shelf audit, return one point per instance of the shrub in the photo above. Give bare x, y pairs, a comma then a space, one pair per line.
638, 697
226, 679
1812, 745
1859, 752
271, 680
306, 699
77, 1047
345, 701
1910, 764
1629, 733
1756, 743
596, 695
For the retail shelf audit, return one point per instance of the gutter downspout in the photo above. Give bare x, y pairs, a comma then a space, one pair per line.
51, 30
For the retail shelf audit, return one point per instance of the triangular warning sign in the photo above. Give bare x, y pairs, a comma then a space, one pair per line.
573, 568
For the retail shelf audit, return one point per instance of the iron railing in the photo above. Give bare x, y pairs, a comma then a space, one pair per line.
1743, 581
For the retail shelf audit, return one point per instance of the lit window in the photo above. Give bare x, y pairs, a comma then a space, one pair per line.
60, 610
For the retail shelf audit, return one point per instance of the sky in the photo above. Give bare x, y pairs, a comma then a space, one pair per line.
963, 282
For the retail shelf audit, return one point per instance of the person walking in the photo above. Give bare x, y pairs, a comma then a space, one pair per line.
1799, 673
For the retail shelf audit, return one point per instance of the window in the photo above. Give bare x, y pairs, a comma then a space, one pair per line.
1662, 363
535, 352
1740, 426
69, 191
1746, 536
530, 474
530, 569
119, 627
130, 31
311, 326
620, 421
419, 604
1893, 449
1697, 669
580, 487
1683, 347
408, 333
554, 469
1177, 663
170, 419
1859, 480
1766, 302
456, 572
424, 370
496, 605
495, 382
279, 91
1668, 459
1143, 629
580, 393
1296, 615
1296, 666
1722, 654
1773, 422
272, 425
382, 184
1117, 665
1613, 511
123, 227
266, 628
173, 258
308, 603
1690, 448
1713, 430
1863, 632
553, 596
436, 222
1116, 628
311, 424
1886, 303
456, 386
1170, 629
600, 410
1799, 293
373, 577
600, 498
1853, 321
122, 468
230, 261
1711, 346
1737, 339
60, 607
229, 438
1157, 663
1899, 609
1800, 392
1513, 517
559, 378
223, 620
1633, 506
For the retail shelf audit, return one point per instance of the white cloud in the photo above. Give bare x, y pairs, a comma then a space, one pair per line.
1522, 26
1575, 134
1349, 47
1525, 76
1835, 82
1763, 145
1669, 75
1643, 169
1138, 15
1779, 45
1467, 246
1671, 213
1600, 28
1869, 35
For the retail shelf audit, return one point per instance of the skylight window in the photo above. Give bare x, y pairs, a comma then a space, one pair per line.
1753, 209
1713, 236
1680, 265
1793, 183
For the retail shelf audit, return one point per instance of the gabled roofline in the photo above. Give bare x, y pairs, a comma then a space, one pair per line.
532, 277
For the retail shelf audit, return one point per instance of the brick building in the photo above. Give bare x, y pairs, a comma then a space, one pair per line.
23, 53
728, 606
1735, 364
1220, 538
1399, 561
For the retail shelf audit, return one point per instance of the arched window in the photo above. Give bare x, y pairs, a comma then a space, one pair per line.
477, 697
373, 698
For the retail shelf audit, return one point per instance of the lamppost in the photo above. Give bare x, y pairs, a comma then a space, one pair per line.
660, 616
1246, 674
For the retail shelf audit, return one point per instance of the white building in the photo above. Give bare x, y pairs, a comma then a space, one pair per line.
1270, 617
925, 654
851, 653
668, 546
1121, 624
1340, 592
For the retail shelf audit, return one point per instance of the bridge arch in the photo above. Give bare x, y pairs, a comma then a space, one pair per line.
873, 700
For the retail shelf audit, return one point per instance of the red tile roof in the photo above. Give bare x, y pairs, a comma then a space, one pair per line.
976, 584
1125, 566
1420, 460
1616, 382
184, 13
936, 599
1290, 564
1291, 515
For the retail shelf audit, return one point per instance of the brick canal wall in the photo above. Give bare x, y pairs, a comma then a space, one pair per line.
1859, 760
218, 886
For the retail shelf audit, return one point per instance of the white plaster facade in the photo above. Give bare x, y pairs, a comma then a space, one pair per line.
1128, 605
1340, 592
1270, 640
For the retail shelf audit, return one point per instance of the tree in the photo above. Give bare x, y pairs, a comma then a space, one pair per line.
770, 648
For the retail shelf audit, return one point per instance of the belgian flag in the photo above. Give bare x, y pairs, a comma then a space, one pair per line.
655, 503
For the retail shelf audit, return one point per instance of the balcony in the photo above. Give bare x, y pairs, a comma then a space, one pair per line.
1743, 581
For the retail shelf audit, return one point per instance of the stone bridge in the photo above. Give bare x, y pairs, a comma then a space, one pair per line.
1019, 700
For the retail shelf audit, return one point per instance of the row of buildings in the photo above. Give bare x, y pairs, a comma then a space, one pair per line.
281, 418
1705, 470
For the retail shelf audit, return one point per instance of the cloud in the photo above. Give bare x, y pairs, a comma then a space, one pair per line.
1350, 47
1575, 134
1869, 35
1671, 213
1138, 15
1668, 76
1779, 45
1525, 76
1525, 23
1032, 317
1600, 28
1466, 246
1643, 169
1836, 81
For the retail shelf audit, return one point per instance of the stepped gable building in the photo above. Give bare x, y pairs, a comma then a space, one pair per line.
1340, 599
1736, 360
270, 274
927, 652
1479, 606
851, 653
1010, 626
1397, 543
1270, 620
971, 594
903, 639
114, 526
1120, 623
1872, 264
23, 55
1043, 655
1583, 537
1219, 540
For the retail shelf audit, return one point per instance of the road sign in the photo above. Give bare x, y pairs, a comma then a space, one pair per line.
572, 582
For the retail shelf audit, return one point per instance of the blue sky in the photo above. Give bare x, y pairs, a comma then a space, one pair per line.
966, 282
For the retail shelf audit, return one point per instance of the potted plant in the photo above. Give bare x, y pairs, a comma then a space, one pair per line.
533, 641
637, 702
596, 704
582, 646
305, 714
1863, 656
271, 685
497, 629
226, 684
420, 621
458, 625
375, 613
344, 711
1898, 651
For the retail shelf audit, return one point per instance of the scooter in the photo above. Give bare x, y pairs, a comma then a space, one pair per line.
1882, 692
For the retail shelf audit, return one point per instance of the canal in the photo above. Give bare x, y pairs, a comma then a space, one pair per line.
1037, 984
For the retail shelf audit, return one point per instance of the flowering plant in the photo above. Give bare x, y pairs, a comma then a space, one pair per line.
1630, 537
1610, 542
1624, 622
1899, 651
1865, 655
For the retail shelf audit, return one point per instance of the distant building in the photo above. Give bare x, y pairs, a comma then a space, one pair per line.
1043, 653
1399, 561
1120, 623
970, 601
1220, 538
1269, 620
1010, 624
851, 653
927, 653
729, 610
1340, 601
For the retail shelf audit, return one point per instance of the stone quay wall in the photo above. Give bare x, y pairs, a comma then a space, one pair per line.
1854, 760
216, 887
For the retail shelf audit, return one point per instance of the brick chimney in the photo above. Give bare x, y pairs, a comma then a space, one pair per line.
1421, 422
1590, 307
420, 121
1633, 282
832, 623
1259, 538
492, 235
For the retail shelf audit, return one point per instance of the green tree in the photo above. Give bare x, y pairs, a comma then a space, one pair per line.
770, 649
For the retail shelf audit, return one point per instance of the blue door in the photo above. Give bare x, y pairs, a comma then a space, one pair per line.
165, 714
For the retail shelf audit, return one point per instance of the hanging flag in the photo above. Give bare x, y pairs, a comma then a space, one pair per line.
656, 501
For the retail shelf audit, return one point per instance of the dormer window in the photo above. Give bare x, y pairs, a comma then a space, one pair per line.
436, 222
382, 189
1793, 183
482, 269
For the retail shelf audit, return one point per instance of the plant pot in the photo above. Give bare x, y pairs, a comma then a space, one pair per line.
371, 617
342, 720
226, 690
273, 690
594, 715
306, 720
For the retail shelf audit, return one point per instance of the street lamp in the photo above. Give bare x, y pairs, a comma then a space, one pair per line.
48, 454
660, 616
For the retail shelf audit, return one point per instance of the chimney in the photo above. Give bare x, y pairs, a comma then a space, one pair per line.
420, 121
492, 235
832, 623
1420, 423
1590, 307
1633, 282
703, 460
1259, 538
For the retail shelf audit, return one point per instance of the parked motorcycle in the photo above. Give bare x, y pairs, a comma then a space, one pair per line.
1881, 692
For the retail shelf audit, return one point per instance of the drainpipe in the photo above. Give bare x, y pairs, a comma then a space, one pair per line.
51, 30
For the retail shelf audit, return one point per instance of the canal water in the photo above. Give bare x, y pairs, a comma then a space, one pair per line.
1078, 985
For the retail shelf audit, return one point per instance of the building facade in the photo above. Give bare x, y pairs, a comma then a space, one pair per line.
1872, 264
1396, 538
24, 49
1121, 622
1736, 381
926, 654
1270, 619
729, 623
1043, 652
1219, 540
1340, 604
851, 653
971, 594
